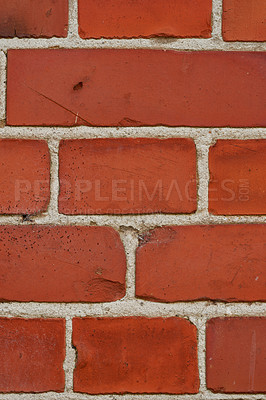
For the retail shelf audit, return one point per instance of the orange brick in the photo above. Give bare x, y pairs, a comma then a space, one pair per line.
186, 263
144, 18
127, 87
135, 355
244, 20
61, 264
127, 176
24, 176
33, 18
32, 355
236, 355
237, 177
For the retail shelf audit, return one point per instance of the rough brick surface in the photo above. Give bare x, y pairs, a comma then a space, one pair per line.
244, 20
61, 264
32, 355
237, 177
110, 87
127, 176
202, 262
135, 355
236, 355
33, 18
144, 18
24, 176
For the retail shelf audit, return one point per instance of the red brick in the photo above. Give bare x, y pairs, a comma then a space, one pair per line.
32, 355
119, 87
24, 176
61, 264
237, 177
127, 176
33, 18
236, 355
187, 263
244, 20
144, 18
135, 355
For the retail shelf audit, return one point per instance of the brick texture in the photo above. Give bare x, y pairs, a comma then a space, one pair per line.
24, 176
236, 355
237, 177
109, 87
144, 18
132, 199
61, 264
127, 176
32, 355
135, 355
244, 20
187, 263
33, 18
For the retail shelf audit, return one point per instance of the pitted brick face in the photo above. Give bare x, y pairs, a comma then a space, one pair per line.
61, 264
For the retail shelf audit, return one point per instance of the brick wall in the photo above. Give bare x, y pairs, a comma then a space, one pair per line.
132, 199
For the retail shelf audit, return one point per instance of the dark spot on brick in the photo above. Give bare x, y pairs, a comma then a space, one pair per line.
26, 217
78, 86
49, 13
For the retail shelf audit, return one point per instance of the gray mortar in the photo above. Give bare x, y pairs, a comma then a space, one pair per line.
128, 226
2, 88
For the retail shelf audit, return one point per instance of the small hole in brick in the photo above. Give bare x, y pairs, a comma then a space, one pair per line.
78, 86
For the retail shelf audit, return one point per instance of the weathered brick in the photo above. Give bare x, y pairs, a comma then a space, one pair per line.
244, 20
125, 87
236, 355
33, 18
187, 263
61, 264
32, 355
127, 176
237, 177
24, 176
144, 18
135, 355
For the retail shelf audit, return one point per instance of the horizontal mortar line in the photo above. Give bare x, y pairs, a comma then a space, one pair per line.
140, 223
84, 132
133, 307
75, 42
109, 132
